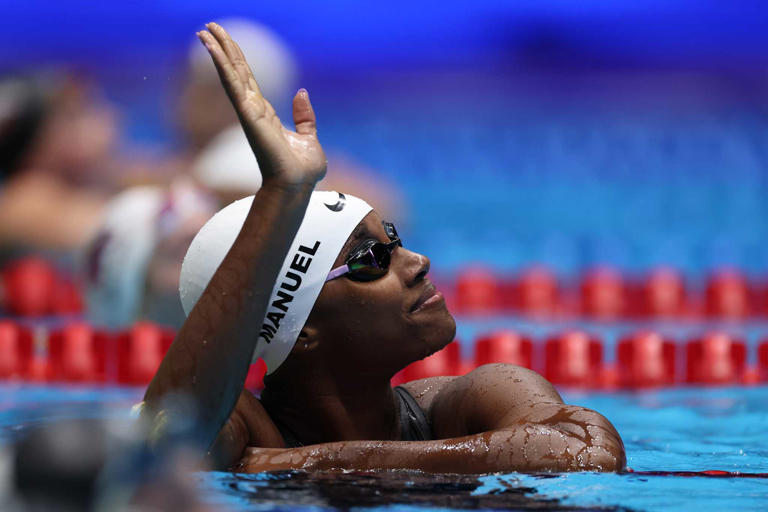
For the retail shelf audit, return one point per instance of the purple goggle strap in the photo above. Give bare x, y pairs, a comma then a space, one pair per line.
337, 272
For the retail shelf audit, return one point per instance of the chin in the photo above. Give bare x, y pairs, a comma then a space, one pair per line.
441, 332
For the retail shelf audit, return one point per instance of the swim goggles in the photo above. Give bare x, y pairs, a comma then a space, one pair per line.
371, 261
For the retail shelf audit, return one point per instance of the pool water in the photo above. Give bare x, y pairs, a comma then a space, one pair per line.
682, 429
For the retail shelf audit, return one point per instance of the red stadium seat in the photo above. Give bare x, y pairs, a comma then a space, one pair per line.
477, 292
534, 292
504, 347
77, 353
28, 285
573, 358
661, 294
603, 294
15, 350
727, 295
715, 358
444, 362
140, 351
646, 359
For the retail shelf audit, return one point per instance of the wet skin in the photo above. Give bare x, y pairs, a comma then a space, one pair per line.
333, 391
496, 418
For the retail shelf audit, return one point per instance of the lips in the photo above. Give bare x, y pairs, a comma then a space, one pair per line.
429, 295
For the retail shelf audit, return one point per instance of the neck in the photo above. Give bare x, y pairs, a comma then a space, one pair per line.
325, 408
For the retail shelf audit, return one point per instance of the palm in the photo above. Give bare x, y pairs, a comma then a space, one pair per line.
292, 157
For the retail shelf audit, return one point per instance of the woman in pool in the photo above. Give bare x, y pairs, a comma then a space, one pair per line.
349, 307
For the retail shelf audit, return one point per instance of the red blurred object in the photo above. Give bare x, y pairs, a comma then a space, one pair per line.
603, 294
646, 359
608, 379
762, 360
15, 350
573, 358
661, 294
254, 380
716, 358
534, 292
66, 298
477, 291
751, 376
443, 362
140, 351
39, 369
78, 353
28, 285
504, 347
727, 295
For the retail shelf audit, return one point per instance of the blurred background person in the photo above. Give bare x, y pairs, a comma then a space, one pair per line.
132, 264
220, 158
57, 138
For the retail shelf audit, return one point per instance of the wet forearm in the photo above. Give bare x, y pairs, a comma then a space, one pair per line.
210, 356
525, 448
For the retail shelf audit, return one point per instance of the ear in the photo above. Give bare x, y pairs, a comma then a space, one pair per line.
307, 342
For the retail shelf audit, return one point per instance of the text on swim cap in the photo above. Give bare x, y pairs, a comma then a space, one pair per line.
290, 284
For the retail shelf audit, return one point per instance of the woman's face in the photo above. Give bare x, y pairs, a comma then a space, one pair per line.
384, 324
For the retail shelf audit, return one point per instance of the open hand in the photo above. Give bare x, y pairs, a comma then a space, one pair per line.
285, 157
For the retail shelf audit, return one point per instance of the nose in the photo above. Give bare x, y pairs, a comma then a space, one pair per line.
416, 266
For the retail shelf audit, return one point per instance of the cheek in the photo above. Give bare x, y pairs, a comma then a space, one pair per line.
356, 310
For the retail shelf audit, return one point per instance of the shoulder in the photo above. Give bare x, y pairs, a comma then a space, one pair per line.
424, 391
487, 396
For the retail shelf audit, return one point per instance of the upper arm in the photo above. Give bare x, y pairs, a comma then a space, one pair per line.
490, 397
248, 425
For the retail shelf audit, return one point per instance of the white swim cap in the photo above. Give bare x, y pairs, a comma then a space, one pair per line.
329, 220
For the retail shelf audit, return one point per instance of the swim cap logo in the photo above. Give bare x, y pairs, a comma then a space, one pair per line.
339, 204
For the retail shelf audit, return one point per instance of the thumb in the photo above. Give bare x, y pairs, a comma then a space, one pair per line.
303, 114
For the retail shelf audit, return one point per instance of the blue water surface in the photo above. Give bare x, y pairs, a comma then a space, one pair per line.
682, 429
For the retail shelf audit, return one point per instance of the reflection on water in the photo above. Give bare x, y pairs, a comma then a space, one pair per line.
682, 429
392, 489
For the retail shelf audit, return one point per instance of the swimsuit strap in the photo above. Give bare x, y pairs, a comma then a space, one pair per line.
414, 425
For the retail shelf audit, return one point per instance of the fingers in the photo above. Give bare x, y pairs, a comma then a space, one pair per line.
235, 56
230, 79
303, 114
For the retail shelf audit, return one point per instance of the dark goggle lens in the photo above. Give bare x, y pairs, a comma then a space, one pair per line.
381, 255
371, 263
359, 271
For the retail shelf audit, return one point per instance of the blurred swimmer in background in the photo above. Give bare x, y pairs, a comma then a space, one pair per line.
57, 137
323, 290
131, 266
222, 160
132, 263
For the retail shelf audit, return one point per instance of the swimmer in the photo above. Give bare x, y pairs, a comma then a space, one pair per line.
349, 306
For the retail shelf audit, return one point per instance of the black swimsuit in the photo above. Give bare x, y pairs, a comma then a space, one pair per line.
414, 425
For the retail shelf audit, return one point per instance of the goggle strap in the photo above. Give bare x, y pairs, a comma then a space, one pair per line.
337, 272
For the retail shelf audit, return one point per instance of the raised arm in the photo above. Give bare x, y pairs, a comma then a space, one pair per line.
496, 418
208, 361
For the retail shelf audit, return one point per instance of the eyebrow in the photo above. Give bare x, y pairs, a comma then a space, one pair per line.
357, 234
